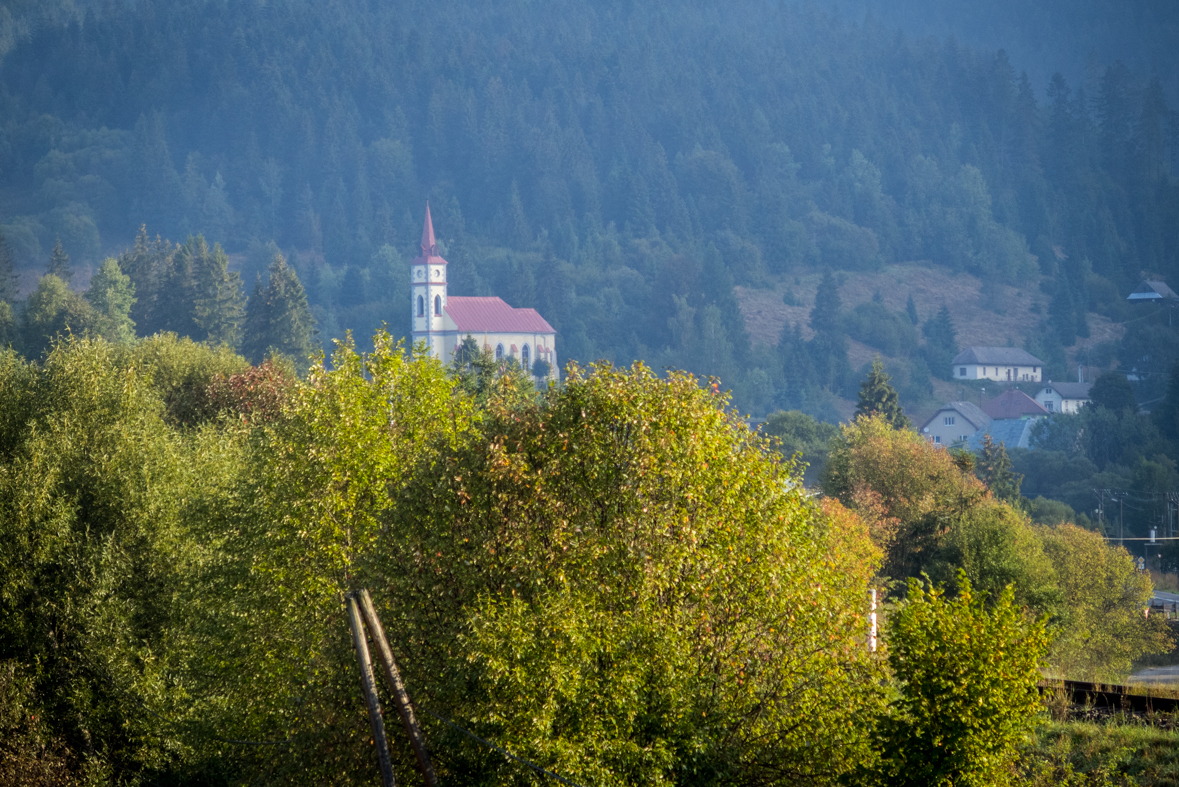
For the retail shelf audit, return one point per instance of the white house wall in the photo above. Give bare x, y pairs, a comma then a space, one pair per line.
998, 373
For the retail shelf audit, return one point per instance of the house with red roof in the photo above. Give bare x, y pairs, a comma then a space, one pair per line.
1011, 405
443, 321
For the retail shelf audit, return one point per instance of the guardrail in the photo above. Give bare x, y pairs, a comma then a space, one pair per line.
1113, 696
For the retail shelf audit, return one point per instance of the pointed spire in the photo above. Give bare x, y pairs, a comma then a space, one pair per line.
429, 245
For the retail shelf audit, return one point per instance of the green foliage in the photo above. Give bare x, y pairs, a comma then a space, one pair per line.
1101, 628
911, 310
994, 470
890, 332
52, 312
968, 674
826, 317
8, 291
1050, 512
941, 343
182, 373
93, 489
1113, 392
877, 397
59, 263
278, 320
799, 433
111, 296
1166, 412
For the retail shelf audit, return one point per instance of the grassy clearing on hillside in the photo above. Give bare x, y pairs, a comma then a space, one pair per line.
1004, 317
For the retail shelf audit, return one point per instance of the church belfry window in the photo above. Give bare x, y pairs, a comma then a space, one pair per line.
421, 306
438, 304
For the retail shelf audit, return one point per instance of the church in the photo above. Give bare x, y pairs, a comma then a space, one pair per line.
443, 321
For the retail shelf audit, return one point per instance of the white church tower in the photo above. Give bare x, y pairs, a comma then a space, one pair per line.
428, 289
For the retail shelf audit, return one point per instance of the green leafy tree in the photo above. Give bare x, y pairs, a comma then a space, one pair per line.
1101, 628
59, 263
278, 319
878, 397
799, 433
111, 296
1113, 392
52, 311
941, 343
994, 469
967, 673
8, 291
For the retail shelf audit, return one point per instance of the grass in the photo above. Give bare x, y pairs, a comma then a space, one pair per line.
1119, 751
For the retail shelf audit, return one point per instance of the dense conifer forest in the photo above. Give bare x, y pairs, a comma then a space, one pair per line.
620, 167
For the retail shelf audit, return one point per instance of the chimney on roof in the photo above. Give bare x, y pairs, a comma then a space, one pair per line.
429, 245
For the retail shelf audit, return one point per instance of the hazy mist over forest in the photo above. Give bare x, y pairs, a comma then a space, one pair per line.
667, 182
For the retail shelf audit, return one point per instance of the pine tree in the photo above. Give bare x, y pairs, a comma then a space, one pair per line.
1113, 392
278, 319
994, 469
911, 310
878, 397
59, 263
111, 296
146, 263
178, 291
8, 290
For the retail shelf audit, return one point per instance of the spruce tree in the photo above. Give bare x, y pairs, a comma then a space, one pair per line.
878, 397
825, 316
220, 304
994, 469
911, 310
59, 263
1113, 392
111, 296
941, 343
7, 272
278, 319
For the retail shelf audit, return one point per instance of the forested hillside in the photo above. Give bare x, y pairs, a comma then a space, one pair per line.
620, 167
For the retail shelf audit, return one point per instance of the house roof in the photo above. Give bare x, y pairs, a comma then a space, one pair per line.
492, 315
1000, 356
1013, 404
1069, 390
968, 410
1151, 290
1012, 434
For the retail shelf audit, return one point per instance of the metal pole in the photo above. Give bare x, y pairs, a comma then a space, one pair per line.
369, 687
872, 623
400, 695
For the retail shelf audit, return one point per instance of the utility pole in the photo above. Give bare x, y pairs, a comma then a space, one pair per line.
369, 688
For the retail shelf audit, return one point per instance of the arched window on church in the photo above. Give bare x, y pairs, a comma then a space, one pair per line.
438, 304
499, 352
524, 357
421, 306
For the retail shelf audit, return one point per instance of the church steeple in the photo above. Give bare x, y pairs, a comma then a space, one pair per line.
429, 245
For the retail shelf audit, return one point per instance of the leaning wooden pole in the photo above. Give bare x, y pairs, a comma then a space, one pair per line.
368, 685
400, 695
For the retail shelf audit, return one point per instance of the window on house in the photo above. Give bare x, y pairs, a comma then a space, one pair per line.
1048, 405
524, 357
421, 306
949, 421
438, 304
962, 371
937, 438
499, 352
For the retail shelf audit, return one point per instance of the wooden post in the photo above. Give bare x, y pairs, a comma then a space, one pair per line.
400, 695
369, 687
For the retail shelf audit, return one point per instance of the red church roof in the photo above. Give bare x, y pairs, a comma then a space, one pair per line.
1013, 404
492, 315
